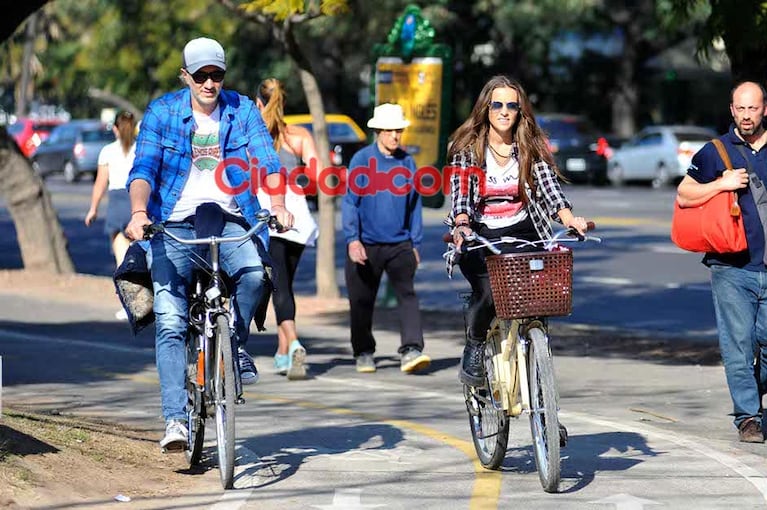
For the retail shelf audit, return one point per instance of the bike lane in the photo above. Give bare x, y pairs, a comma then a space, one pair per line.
641, 433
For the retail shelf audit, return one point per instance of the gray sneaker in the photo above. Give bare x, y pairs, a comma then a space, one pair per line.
365, 363
176, 437
414, 360
248, 371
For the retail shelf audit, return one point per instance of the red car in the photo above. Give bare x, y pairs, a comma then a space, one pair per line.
29, 133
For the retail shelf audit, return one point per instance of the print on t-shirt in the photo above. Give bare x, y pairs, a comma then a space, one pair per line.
501, 205
206, 151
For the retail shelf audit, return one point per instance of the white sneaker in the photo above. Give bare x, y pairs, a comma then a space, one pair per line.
176, 437
121, 315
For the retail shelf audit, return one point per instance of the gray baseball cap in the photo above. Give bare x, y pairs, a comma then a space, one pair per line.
203, 52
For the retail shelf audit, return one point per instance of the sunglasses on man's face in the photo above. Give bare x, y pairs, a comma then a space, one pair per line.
497, 105
201, 76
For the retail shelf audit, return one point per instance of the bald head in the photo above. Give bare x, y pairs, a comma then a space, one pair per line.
747, 88
747, 109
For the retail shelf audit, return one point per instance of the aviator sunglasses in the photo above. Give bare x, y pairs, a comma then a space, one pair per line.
497, 105
201, 76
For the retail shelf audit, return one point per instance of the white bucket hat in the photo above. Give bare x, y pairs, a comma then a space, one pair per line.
388, 116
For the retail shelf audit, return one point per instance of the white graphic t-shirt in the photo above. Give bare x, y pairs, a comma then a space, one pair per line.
201, 185
501, 206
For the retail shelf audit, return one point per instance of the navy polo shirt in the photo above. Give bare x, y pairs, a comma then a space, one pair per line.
705, 167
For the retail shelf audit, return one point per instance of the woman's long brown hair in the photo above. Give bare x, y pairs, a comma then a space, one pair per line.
272, 94
530, 138
126, 130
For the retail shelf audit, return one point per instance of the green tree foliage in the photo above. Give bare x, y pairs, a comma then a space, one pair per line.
742, 24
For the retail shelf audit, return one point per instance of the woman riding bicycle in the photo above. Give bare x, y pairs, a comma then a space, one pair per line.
498, 152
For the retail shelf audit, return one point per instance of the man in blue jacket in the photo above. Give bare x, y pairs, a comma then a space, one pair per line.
195, 148
383, 227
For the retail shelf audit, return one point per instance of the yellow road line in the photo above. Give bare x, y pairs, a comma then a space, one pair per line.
486, 490
487, 484
629, 222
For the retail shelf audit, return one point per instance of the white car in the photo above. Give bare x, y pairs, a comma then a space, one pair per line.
659, 155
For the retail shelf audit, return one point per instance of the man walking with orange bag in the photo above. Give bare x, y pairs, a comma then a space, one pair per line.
738, 282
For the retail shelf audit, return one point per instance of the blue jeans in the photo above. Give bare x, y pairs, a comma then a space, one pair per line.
740, 303
172, 265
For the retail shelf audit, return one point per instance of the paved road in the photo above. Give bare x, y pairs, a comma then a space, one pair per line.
634, 280
642, 433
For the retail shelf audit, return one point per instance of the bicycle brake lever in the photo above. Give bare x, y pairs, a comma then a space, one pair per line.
274, 224
152, 229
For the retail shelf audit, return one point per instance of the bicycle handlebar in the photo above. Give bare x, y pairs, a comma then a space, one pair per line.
474, 240
263, 216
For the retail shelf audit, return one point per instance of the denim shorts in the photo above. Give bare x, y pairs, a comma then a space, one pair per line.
118, 212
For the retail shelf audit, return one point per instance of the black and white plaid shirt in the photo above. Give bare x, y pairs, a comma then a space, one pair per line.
465, 194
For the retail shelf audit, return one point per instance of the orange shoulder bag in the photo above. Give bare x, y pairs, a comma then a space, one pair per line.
715, 226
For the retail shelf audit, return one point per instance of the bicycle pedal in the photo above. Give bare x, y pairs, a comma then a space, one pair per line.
239, 401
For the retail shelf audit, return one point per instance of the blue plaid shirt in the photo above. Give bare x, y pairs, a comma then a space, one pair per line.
164, 150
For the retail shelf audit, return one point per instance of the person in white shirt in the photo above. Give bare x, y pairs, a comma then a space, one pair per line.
293, 145
114, 164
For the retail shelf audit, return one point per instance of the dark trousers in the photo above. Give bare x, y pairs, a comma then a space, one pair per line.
362, 282
285, 256
480, 309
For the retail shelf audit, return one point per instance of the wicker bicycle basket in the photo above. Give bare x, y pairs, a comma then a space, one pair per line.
531, 284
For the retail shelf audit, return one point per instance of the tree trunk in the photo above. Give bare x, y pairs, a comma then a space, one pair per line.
625, 96
41, 239
327, 287
325, 269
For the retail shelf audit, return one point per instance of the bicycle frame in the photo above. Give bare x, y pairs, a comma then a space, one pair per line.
509, 387
216, 383
519, 367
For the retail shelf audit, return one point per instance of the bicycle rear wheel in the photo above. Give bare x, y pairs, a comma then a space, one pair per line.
544, 422
195, 407
489, 426
225, 397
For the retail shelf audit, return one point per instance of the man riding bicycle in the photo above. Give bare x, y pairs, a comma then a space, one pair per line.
187, 137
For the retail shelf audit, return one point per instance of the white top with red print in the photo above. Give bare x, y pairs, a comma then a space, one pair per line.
501, 205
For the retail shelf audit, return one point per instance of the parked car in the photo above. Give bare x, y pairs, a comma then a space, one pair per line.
579, 151
659, 155
29, 133
72, 148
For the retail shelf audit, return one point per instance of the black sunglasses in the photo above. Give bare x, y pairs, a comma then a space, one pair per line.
201, 76
497, 105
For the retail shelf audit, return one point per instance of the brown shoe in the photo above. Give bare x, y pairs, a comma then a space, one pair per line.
750, 431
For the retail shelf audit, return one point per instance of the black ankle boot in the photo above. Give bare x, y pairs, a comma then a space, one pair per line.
472, 364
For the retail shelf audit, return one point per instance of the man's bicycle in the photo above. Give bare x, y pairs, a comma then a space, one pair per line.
527, 287
212, 376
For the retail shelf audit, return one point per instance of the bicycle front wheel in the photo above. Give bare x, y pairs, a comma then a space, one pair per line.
195, 406
544, 422
225, 397
489, 425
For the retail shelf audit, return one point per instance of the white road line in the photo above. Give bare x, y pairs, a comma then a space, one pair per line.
4, 333
753, 476
234, 500
605, 280
625, 282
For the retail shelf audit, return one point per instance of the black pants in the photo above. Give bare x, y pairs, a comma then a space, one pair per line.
480, 309
362, 282
285, 256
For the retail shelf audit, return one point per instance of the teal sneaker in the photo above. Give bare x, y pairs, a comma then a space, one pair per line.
281, 363
296, 361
